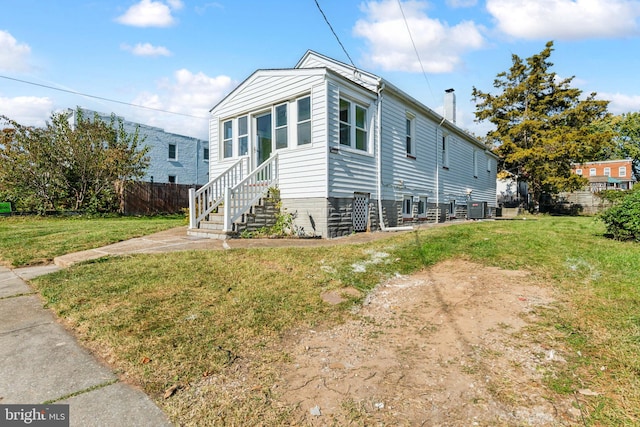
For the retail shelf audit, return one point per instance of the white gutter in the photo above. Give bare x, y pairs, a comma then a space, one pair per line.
381, 86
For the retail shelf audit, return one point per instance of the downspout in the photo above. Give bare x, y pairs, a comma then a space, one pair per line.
438, 172
379, 164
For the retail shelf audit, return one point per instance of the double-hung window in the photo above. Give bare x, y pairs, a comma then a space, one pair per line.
445, 152
475, 163
304, 120
173, 152
592, 172
353, 125
607, 171
410, 139
281, 126
243, 136
622, 171
579, 172
227, 139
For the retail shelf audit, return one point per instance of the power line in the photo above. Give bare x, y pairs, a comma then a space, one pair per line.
335, 35
101, 98
415, 49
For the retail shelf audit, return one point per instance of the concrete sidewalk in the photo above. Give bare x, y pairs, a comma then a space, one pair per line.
176, 239
42, 362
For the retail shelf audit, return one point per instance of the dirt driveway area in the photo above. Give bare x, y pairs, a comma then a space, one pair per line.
450, 346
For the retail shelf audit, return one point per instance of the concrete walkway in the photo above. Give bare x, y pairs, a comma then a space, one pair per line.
42, 362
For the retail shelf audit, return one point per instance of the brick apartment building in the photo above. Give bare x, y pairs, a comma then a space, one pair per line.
607, 175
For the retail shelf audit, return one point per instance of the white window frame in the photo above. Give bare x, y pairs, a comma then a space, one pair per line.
410, 130
281, 130
622, 171
592, 172
422, 203
303, 122
445, 151
607, 171
350, 126
579, 172
227, 140
243, 137
407, 206
475, 163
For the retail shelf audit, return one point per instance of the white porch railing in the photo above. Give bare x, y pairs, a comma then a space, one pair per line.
236, 193
240, 198
208, 197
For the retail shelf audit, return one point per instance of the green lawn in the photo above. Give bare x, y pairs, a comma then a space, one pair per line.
31, 240
169, 319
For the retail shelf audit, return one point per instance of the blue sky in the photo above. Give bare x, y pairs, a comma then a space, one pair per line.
183, 56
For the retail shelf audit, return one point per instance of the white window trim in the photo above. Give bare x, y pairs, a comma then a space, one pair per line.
622, 171
607, 171
579, 172
411, 135
276, 127
353, 129
244, 135
475, 163
175, 150
223, 140
445, 151
592, 172
301, 122
425, 200
405, 199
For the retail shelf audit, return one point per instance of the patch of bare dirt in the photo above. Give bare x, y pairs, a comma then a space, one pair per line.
447, 346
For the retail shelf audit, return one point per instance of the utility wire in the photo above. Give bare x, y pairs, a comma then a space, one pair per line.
101, 98
415, 49
335, 35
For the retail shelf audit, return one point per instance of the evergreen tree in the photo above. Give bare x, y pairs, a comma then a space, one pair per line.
541, 125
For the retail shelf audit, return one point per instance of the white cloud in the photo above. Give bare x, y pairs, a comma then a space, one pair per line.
439, 45
147, 49
27, 110
149, 13
188, 93
621, 103
566, 19
14, 56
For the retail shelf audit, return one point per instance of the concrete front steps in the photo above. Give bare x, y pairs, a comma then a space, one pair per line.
263, 214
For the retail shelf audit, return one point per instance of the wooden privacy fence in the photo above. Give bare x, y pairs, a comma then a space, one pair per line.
146, 198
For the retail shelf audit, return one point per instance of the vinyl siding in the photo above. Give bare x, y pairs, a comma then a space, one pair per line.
350, 170
302, 169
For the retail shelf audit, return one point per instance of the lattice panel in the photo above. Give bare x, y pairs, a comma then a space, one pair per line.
360, 212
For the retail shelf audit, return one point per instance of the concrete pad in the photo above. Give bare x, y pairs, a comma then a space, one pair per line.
43, 362
114, 405
21, 313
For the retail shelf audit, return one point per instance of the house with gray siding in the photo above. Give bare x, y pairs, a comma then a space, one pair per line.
173, 158
347, 150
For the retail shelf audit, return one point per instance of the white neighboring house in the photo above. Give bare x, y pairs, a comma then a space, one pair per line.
173, 158
348, 151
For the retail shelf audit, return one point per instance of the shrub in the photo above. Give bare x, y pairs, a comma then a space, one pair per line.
623, 218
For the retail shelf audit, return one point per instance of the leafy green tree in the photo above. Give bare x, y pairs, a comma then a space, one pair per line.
30, 175
81, 164
541, 124
626, 139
